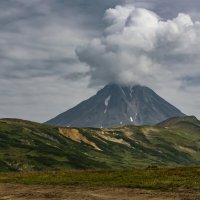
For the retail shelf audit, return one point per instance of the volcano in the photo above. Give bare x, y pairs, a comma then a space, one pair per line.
117, 105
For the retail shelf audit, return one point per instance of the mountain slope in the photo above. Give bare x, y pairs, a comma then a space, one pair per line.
116, 105
26, 146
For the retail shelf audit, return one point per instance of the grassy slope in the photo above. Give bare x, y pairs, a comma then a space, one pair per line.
27, 146
160, 178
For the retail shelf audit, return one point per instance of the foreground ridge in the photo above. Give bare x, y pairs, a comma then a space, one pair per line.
27, 146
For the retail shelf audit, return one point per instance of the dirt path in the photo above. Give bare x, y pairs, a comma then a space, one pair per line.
37, 192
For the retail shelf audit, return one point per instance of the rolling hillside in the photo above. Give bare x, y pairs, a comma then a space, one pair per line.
27, 146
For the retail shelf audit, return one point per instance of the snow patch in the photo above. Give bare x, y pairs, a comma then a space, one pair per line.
105, 111
131, 119
121, 123
123, 91
131, 91
136, 115
107, 101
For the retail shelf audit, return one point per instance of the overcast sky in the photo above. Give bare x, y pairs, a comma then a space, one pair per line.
56, 53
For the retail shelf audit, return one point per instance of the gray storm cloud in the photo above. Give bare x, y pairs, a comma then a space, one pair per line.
138, 46
37, 49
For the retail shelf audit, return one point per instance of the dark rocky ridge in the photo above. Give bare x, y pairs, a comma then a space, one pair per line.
116, 105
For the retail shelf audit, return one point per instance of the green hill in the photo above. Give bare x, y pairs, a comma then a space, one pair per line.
27, 146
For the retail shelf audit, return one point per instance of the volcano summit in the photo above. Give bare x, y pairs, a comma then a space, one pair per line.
116, 105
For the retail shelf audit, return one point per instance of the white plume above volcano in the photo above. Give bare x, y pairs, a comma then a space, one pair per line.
137, 46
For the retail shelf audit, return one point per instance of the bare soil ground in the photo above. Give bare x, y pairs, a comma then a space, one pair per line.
40, 192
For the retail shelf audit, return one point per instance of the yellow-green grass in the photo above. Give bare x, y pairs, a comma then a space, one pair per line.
149, 178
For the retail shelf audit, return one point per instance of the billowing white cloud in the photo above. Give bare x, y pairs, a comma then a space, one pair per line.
137, 46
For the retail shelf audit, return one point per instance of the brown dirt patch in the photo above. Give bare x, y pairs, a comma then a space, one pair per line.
40, 192
76, 136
